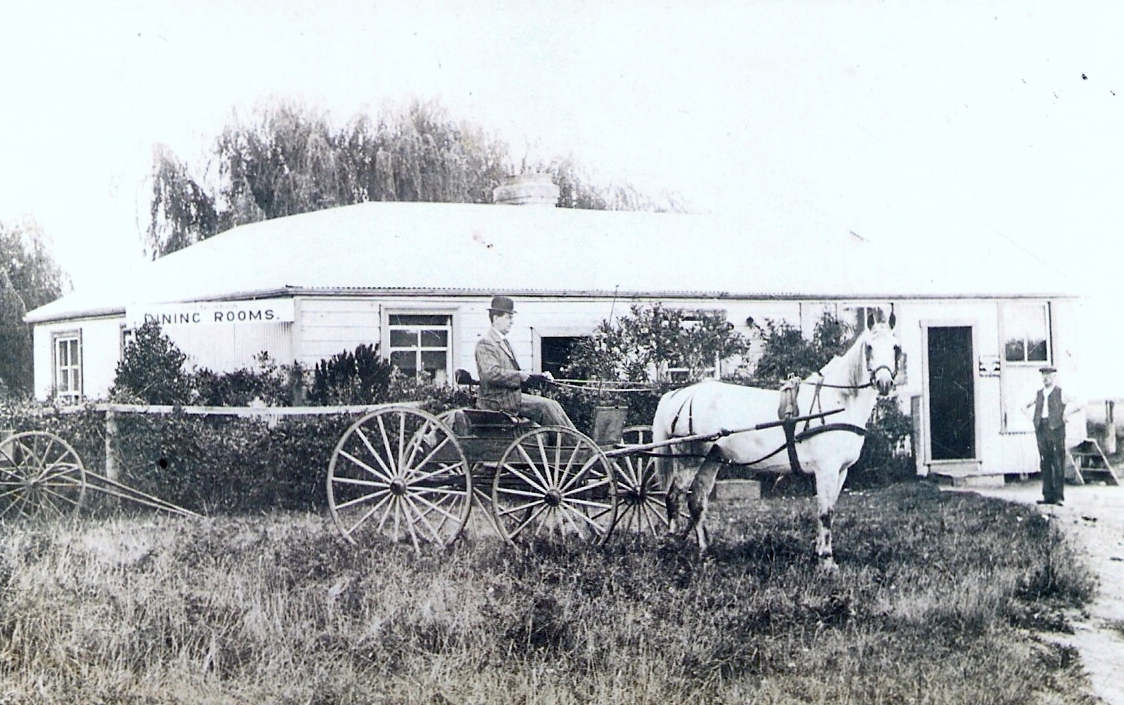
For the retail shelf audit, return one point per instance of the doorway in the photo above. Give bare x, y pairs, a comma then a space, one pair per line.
952, 393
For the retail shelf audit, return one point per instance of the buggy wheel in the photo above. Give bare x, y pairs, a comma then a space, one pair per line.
554, 481
40, 476
641, 500
400, 473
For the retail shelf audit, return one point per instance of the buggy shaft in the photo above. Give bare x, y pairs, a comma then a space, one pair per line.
641, 447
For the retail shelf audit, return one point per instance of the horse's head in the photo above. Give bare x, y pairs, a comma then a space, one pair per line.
882, 354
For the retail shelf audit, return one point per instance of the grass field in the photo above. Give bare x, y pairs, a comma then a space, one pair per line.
940, 598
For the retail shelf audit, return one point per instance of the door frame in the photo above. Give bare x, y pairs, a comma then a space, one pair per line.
926, 420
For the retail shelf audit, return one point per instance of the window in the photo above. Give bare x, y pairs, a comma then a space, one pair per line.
856, 315
128, 335
1026, 346
557, 351
68, 367
1026, 333
695, 367
420, 343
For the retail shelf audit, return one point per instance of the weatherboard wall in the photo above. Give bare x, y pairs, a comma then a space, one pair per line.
324, 325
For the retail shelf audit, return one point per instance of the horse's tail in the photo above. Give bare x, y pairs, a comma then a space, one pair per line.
665, 425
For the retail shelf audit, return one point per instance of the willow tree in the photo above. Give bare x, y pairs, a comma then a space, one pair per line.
29, 278
288, 159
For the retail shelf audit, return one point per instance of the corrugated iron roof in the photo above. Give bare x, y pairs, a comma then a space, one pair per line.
486, 248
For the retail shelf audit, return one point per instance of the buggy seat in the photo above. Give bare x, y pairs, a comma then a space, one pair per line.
485, 422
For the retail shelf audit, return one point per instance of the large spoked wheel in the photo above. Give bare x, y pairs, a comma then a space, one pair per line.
40, 476
641, 501
400, 473
554, 482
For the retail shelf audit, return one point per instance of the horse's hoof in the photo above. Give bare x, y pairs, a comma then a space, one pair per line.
828, 566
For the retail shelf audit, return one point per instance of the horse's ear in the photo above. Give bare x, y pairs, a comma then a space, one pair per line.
870, 320
893, 318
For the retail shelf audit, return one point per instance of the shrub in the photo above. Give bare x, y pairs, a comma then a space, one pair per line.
887, 454
641, 347
360, 377
151, 370
275, 385
787, 352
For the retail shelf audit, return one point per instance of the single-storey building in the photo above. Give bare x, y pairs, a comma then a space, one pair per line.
976, 315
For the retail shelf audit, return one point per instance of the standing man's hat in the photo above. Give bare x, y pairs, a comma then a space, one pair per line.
502, 304
1047, 368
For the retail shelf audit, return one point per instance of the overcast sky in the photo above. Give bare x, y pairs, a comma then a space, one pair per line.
892, 120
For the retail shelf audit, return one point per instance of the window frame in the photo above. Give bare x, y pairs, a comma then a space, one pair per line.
1048, 318
74, 392
691, 316
451, 327
848, 312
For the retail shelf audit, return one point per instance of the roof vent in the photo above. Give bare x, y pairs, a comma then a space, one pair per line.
527, 190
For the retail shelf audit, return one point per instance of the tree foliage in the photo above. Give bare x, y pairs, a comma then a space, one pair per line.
29, 278
645, 345
267, 382
787, 352
182, 212
289, 159
151, 370
359, 377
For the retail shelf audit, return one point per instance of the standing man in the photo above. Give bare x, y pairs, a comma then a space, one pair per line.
1052, 407
501, 378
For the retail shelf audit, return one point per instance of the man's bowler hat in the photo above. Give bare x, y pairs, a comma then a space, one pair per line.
1047, 368
502, 304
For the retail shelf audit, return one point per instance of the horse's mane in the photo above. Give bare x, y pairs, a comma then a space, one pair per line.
850, 365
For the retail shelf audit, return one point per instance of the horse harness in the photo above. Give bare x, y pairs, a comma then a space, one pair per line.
788, 412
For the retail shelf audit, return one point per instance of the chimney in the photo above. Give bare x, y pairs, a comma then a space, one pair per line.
527, 190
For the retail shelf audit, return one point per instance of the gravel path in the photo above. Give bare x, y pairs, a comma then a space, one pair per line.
1094, 514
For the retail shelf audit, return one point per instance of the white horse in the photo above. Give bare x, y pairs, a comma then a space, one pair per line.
826, 447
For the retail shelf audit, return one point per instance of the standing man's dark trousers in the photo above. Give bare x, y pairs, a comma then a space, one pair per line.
1051, 451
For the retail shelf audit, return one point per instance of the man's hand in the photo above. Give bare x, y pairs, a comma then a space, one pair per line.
536, 378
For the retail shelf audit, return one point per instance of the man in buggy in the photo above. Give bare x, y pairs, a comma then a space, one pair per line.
501, 378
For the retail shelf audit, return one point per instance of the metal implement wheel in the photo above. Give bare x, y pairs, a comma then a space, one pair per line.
399, 472
640, 499
554, 481
40, 476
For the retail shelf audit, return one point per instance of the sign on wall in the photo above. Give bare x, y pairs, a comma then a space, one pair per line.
211, 313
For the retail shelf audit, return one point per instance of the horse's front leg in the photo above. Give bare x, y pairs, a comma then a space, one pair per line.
828, 486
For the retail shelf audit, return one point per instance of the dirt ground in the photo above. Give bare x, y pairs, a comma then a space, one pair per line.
1094, 514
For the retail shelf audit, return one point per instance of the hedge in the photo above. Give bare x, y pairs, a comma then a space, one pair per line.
224, 464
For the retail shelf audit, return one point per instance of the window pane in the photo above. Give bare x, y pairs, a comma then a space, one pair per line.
405, 361
434, 363
1015, 351
1036, 351
435, 338
400, 319
1026, 331
403, 338
433, 360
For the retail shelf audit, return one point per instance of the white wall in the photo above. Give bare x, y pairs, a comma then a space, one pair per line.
101, 350
326, 325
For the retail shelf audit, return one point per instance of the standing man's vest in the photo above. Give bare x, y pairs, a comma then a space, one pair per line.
1054, 410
